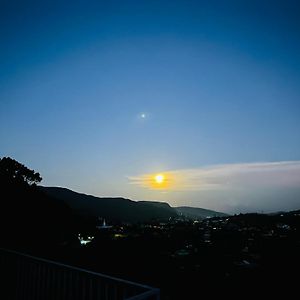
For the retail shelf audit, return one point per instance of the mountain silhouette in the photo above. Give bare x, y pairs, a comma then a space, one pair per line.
112, 209
198, 213
121, 209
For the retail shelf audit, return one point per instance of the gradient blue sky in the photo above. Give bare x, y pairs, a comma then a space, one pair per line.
218, 81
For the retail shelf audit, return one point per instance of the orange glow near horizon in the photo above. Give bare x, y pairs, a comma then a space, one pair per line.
158, 181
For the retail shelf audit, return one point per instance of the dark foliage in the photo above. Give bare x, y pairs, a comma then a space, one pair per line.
13, 172
29, 217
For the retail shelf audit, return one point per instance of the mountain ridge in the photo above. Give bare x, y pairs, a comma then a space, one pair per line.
119, 208
110, 208
198, 212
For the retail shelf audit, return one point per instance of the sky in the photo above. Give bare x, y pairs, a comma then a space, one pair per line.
100, 96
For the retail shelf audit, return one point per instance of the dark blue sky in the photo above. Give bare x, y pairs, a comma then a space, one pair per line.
218, 82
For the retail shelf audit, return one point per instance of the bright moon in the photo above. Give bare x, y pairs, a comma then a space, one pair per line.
159, 178
143, 116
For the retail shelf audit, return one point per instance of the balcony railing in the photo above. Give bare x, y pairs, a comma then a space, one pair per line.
25, 277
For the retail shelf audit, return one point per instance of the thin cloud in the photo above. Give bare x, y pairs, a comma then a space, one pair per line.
228, 176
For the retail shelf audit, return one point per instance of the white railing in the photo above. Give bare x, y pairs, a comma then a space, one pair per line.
28, 277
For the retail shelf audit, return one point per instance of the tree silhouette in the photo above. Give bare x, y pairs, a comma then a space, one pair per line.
26, 212
13, 172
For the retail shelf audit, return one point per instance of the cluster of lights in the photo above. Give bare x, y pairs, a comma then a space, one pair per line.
84, 241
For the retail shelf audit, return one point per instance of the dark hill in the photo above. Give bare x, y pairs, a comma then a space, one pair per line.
113, 209
30, 217
198, 213
126, 210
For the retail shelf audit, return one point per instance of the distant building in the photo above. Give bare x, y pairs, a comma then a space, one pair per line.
103, 225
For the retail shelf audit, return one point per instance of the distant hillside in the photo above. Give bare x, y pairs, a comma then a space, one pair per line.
157, 204
113, 209
126, 210
198, 213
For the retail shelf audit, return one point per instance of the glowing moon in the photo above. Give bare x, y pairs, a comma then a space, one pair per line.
156, 181
159, 178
